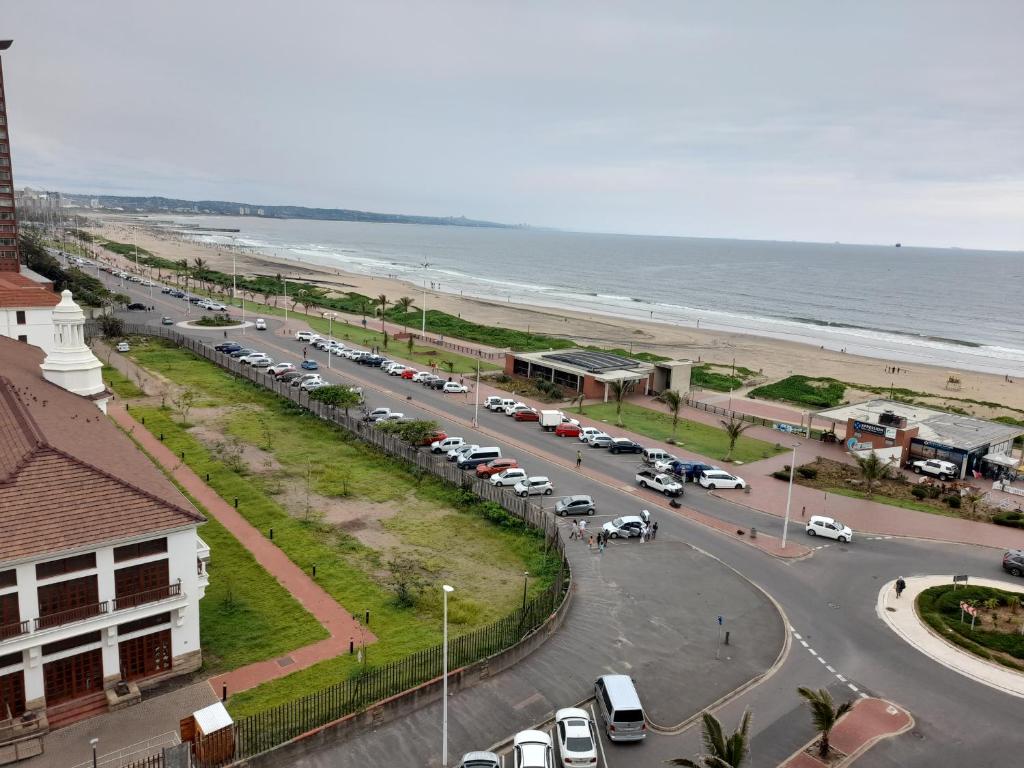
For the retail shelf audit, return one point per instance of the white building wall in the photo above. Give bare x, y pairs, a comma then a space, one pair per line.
38, 326
181, 551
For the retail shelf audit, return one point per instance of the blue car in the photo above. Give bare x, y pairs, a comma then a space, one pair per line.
310, 365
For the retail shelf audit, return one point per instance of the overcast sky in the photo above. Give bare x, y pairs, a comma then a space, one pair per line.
859, 122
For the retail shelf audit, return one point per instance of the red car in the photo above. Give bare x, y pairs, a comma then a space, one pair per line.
530, 415
431, 438
496, 466
566, 429
408, 373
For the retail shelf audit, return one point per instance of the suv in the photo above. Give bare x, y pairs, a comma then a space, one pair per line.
1013, 562
533, 486
624, 445
944, 470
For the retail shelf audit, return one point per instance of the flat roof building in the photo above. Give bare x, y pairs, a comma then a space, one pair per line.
974, 445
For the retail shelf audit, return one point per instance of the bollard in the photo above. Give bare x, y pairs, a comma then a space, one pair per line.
351, 646
224, 693
367, 618
182, 455
271, 534
161, 437
236, 502
314, 570
726, 637
143, 419
753, 532
207, 477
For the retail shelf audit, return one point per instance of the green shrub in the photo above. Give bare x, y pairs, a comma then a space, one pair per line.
805, 390
808, 473
953, 501
1009, 519
781, 474
918, 492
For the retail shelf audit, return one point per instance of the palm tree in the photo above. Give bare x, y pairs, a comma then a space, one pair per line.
720, 752
872, 470
383, 301
674, 401
199, 269
403, 305
824, 714
619, 391
733, 429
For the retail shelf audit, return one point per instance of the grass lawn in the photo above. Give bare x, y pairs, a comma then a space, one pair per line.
120, 384
803, 390
485, 568
704, 439
996, 634
920, 506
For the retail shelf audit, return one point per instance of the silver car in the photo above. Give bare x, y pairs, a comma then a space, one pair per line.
480, 760
575, 505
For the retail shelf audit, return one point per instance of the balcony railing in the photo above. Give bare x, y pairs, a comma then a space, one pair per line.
148, 596
7, 631
80, 613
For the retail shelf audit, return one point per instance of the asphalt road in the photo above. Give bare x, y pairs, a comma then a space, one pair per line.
649, 610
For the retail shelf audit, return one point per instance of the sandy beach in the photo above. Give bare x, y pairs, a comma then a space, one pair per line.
775, 358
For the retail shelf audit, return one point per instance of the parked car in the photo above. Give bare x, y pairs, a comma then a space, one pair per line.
684, 471
529, 415
575, 505
532, 749
508, 477
480, 760
566, 429
717, 478
311, 365
165, 290
261, 324
313, 382
395, 369
227, 346
517, 408
376, 413
619, 708
261, 362
495, 466
289, 375
448, 444
830, 528
437, 437
429, 379
599, 440
280, 368
455, 454
533, 486
577, 738
944, 470
626, 527
1013, 562
500, 404
624, 445
419, 376
250, 359
454, 388
241, 352
658, 481
490, 400
123, 346
165, 320
408, 373
303, 377
437, 383
654, 455
306, 336
137, 306
586, 432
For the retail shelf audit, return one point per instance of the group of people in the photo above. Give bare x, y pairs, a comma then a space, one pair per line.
648, 532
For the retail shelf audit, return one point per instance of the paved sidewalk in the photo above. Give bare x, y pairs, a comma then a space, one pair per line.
335, 619
902, 618
870, 721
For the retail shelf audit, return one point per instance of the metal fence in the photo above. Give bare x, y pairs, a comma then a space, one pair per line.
265, 730
770, 423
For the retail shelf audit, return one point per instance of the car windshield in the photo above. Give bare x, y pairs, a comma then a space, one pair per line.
618, 522
839, 526
579, 744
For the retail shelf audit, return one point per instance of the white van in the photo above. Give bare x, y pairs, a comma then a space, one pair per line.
492, 400
651, 455
618, 705
474, 458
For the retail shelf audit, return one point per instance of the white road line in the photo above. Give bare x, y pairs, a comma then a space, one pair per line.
821, 660
795, 633
863, 695
829, 668
812, 652
804, 644
841, 678
852, 687
600, 740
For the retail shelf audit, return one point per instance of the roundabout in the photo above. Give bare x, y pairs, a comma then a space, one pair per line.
194, 325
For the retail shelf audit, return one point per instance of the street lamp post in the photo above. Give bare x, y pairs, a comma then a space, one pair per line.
476, 396
285, 279
423, 327
93, 743
444, 685
789, 496
330, 333
526, 580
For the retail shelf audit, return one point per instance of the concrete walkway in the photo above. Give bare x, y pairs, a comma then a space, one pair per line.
902, 617
870, 721
336, 620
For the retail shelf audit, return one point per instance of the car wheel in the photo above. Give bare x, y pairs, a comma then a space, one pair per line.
562, 513
810, 532
615, 535
1015, 571
643, 484
547, 492
917, 470
590, 512
738, 485
712, 486
523, 494
841, 539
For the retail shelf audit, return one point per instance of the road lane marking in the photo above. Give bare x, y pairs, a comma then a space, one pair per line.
852, 687
841, 678
812, 652
829, 668
804, 644
600, 740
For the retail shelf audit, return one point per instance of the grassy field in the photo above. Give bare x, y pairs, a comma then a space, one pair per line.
704, 439
893, 501
804, 390
120, 384
485, 567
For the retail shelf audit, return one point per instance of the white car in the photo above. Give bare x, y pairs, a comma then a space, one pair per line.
629, 526
395, 369
517, 408
532, 749
261, 324
418, 377
829, 528
262, 362
215, 306
122, 346
449, 443
586, 432
453, 387
393, 416
717, 478
533, 486
456, 453
577, 742
250, 359
510, 476
306, 336
280, 368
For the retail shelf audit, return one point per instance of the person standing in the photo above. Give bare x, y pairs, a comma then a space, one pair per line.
304, 353
654, 530
583, 528
579, 458
643, 532
600, 544
900, 586
575, 530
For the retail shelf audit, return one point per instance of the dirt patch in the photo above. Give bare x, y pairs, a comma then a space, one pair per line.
357, 517
209, 431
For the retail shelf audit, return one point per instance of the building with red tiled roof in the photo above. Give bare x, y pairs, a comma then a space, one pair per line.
101, 566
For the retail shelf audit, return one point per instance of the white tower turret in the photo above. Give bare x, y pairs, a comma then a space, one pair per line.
71, 364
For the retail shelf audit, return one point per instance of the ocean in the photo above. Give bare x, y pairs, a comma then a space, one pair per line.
945, 307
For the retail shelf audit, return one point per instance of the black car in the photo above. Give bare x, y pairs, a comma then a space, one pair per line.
1013, 562
242, 352
688, 471
438, 384
373, 361
227, 346
178, 294
624, 445
136, 306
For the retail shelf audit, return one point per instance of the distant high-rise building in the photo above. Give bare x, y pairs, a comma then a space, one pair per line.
8, 218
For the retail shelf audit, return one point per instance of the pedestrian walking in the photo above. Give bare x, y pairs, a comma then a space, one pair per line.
654, 530
575, 530
225, 334
900, 586
643, 532
583, 528
579, 458
304, 353
600, 545
590, 542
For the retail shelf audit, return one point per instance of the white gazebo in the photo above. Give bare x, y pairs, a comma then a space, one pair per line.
71, 364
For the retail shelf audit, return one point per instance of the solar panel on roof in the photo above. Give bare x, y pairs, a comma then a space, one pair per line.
594, 362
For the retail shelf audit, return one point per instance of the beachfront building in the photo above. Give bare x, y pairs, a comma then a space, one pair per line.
101, 566
592, 373
979, 448
8, 220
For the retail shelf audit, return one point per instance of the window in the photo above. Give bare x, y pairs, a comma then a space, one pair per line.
8, 578
23, 338
20, 316
12, 693
66, 565
72, 642
10, 659
58, 602
150, 621
140, 549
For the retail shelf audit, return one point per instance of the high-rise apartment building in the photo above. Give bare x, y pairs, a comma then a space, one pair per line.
8, 219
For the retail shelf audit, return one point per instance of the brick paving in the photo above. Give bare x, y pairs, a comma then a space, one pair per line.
870, 721
335, 619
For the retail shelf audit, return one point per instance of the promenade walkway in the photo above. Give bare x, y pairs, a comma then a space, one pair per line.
870, 721
335, 619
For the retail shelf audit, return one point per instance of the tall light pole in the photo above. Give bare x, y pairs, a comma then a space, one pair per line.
476, 396
526, 580
285, 279
93, 743
444, 685
789, 496
423, 327
330, 334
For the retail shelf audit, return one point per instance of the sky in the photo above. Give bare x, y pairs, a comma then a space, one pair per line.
871, 122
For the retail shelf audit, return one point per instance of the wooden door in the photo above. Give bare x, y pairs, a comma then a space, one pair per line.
73, 677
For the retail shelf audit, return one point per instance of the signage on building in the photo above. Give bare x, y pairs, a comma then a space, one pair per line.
874, 429
890, 433
855, 445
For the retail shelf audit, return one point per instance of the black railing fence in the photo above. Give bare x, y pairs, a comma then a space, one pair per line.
265, 730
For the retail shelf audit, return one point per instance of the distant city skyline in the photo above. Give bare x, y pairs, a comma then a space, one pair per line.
795, 121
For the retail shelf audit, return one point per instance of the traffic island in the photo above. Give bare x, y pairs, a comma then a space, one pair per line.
870, 721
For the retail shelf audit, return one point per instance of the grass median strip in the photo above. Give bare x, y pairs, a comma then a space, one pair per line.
694, 436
